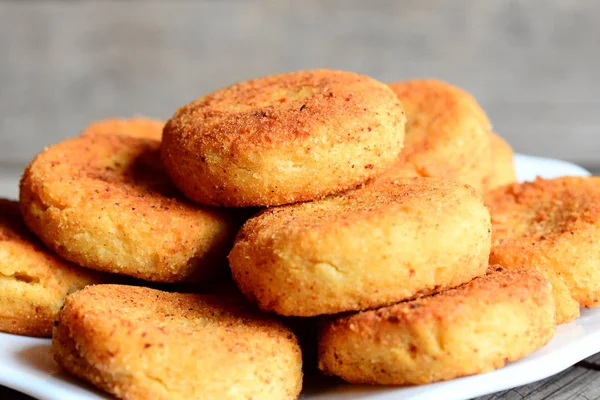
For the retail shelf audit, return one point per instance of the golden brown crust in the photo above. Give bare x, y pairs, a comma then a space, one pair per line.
472, 329
141, 343
33, 281
367, 248
503, 165
138, 127
553, 226
447, 134
104, 202
283, 138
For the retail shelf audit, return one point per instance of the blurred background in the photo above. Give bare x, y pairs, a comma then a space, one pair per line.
533, 64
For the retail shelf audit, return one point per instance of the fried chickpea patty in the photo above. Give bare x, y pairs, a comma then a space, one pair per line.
33, 281
472, 329
104, 202
135, 127
367, 248
283, 138
553, 226
141, 343
503, 164
447, 134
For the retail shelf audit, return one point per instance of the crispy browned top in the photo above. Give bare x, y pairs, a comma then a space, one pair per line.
497, 286
135, 127
284, 108
153, 309
123, 174
375, 200
544, 209
434, 110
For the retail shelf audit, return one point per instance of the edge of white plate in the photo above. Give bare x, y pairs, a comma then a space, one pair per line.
545, 168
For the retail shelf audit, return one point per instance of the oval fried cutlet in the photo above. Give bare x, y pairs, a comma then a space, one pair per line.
366, 248
503, 164
105, 202
447, 134
33, 281
283, 138
475, 328
141, 343
553, 226
137, 127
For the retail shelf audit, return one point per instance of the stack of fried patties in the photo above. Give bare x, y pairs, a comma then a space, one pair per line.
102, 201
353, 201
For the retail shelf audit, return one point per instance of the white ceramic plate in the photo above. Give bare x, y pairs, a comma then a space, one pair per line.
26, 365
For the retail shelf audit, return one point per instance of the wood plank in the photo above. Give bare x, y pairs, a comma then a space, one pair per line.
578, 382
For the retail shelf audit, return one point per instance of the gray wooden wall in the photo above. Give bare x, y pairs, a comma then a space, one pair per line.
533, 64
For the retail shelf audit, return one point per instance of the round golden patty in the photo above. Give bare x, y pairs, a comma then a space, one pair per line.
283, 138
33, 281
503, 164
472, 329
447, 134
104, 202
138, 127
553, 226
141, 343
367, 248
